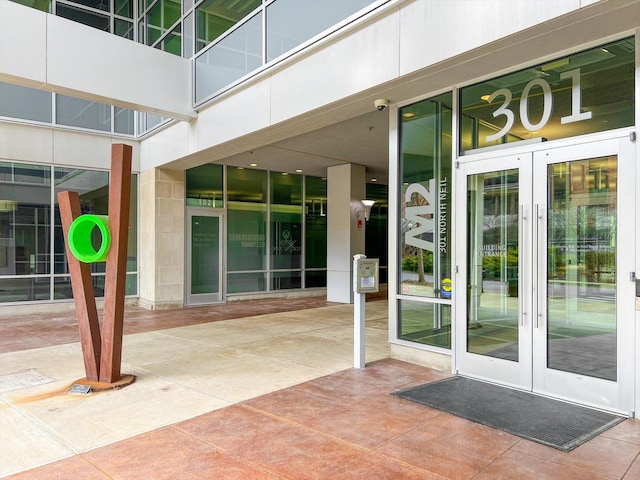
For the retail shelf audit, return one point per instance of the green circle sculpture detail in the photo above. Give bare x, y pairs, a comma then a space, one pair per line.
80, 238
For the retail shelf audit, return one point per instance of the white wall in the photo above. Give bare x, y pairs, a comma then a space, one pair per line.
409, 49
42, 145
50, 52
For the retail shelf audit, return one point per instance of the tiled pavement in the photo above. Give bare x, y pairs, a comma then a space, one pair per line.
268, 396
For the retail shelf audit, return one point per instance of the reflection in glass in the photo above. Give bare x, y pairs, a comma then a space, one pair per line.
581, 265
286, 280
205, 254
492, 264
81, 113
425, 198
25, 231
236, 55
160, 18
377, 227
95, 20
315, 229
24, 289
93, 189
246, 282
246, 237
214, 17
426, 323
286, 223
204, 186
587, 92
292, 22
25, 103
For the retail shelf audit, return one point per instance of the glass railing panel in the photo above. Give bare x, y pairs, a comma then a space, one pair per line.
292, 22
229, 60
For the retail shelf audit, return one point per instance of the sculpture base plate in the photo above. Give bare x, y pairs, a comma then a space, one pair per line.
125, 380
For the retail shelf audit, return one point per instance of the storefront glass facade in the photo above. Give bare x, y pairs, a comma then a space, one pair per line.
276, 229
424, 309
33, 262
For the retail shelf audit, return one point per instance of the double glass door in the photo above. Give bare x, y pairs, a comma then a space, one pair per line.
204, 257
549, 247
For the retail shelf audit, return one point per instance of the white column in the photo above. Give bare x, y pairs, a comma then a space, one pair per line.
346, 187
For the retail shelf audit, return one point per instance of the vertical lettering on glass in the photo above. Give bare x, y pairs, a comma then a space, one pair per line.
421, 217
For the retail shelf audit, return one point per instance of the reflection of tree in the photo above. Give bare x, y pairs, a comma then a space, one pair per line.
410, 251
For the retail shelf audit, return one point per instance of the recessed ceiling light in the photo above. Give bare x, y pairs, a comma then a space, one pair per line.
408, 115
374, 179
298, 170
240, 168
253, 164
485, 98
285, 173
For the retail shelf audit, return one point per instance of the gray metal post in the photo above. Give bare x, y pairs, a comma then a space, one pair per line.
358, 318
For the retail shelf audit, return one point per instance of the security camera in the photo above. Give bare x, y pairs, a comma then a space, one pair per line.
381, 104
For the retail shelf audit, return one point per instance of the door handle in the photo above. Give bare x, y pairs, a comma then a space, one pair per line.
522, 274
536, 266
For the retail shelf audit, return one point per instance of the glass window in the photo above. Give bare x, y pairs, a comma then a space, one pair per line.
246, 185
246, 227
25, 103
293, 22
425, 323
246, 282
160, 18
97, 4
315, 226
377, 227
93, 190
124, 121
214, 17
95, 20
246, 236
124, 8
42, 5
286, 280
149, 121
172, 42
315, 278
425, 203
587, 92
123, 28
77, 112
204, 186
25, 230
132, 245
286, 225
229, 60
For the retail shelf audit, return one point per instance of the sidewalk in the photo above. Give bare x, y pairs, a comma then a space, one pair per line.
266, 396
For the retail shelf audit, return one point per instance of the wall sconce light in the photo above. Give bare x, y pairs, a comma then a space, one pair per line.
367, 208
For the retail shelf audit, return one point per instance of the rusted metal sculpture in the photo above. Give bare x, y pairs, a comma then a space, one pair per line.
102, 351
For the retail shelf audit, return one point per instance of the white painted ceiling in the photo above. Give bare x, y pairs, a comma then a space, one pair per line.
361, 140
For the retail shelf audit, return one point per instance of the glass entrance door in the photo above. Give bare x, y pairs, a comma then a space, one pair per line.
548, 307
204, 262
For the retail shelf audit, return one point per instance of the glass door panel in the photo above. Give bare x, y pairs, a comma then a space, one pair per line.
205, 258
492, 264
495, 339
581, 266
549, 248
583, 335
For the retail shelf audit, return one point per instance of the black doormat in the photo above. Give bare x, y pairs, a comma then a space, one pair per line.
540, 419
